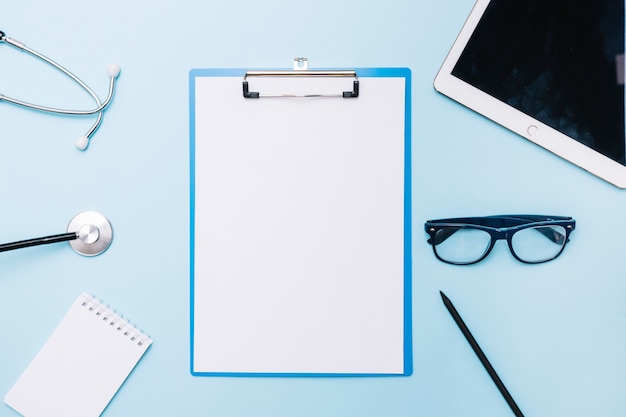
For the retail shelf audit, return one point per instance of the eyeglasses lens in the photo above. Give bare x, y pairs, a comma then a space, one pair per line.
538, 244
461, 244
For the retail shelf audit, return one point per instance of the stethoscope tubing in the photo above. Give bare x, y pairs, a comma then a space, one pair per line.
98, 109
63, 237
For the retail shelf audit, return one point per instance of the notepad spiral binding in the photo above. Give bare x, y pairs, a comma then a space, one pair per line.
116, 322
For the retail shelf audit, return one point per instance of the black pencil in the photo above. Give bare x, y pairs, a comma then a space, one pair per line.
481, 355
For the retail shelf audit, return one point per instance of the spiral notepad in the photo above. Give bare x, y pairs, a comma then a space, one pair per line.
81, 366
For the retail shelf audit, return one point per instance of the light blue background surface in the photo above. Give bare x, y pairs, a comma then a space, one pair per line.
556, 332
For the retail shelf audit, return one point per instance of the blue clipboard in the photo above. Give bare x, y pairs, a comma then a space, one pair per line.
300, 222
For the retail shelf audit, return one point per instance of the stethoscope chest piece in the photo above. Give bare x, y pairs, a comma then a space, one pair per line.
94, 232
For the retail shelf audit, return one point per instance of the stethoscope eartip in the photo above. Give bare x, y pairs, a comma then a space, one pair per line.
113, 70
82, 143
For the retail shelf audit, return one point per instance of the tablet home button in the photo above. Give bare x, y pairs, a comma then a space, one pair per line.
533, 130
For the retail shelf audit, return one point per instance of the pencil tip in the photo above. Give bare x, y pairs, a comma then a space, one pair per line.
443, 296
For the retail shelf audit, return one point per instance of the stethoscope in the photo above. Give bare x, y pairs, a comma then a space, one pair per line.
89, 233
113, 71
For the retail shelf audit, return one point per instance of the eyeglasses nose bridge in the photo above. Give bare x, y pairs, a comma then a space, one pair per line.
503, 233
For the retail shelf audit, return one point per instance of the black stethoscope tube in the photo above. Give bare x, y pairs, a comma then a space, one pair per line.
63, 237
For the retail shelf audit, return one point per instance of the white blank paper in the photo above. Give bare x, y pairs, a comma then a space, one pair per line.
299, 229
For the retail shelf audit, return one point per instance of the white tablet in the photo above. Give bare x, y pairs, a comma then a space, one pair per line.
551, 71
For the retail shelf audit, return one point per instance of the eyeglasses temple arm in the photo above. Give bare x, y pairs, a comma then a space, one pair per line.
442, 234
550, 233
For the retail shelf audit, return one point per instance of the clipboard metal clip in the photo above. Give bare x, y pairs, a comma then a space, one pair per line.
300, 69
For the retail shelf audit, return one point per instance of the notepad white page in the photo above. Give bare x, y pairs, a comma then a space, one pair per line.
298, 263
81, 366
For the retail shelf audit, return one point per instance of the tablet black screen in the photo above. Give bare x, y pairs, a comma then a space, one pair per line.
559, 61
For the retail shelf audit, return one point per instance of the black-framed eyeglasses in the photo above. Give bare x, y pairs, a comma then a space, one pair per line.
532, 239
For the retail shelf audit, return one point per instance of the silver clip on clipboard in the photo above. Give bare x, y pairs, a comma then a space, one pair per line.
300, 69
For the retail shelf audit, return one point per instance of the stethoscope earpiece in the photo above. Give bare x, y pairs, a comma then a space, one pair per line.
113, 71
82, 143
